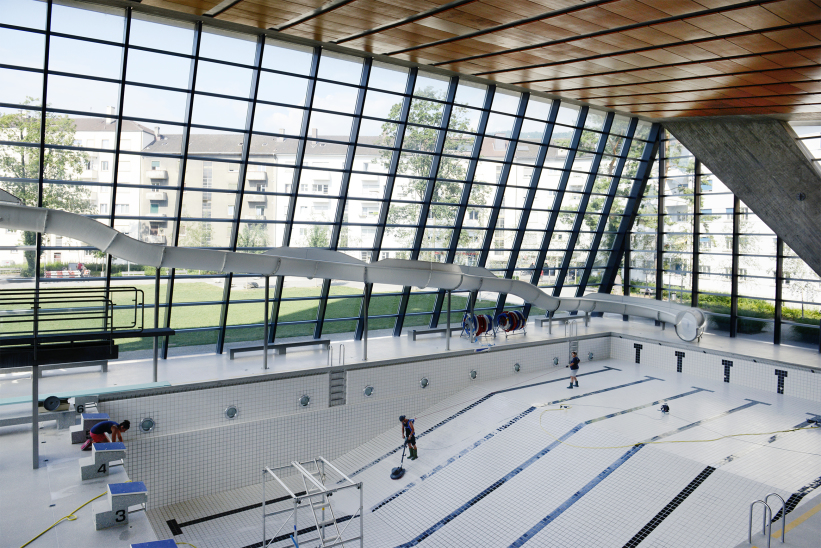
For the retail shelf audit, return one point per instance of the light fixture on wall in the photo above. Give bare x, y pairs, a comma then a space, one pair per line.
473, 374
305, 400
368, 391
516, 367
231, 412
424, 382
555, 361
590, 356
147, 424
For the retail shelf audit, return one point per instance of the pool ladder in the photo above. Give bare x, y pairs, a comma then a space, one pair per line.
767, 523
331, 355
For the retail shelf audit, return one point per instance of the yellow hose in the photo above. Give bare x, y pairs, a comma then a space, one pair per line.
70, 517
667, 441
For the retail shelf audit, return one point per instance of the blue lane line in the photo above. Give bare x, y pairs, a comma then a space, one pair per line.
479, 442
498, 483
453, 459
453, 515
547, 520
468, 408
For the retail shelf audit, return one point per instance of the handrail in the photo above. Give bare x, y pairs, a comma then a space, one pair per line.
766, 527
330, 356
783, 512
573, 327
341, 354
325, 264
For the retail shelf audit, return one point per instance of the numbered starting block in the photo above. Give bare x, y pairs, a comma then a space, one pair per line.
156, 544
79, 433
99, 463
113, 511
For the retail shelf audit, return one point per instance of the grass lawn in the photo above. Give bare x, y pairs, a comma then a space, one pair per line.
340, 314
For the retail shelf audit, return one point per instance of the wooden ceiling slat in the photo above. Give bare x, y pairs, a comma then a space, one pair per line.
197, 7
755, 43
794, 11
790, 58
683, 30
635, 11
691, 52
793, 38
755, 17
604, 18
745, 59
650, 36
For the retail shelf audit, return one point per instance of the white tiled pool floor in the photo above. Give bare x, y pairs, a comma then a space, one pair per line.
494, 474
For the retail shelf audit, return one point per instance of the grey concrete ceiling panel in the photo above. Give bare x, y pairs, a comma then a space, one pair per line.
760, 161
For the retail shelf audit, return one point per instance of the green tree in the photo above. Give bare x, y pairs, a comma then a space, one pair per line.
195, 233
22, 165
253, 235
318, 236
423, 139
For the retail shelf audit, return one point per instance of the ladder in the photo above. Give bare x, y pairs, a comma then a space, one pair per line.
313, 479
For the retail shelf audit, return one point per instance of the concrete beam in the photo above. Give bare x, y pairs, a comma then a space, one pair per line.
760, 161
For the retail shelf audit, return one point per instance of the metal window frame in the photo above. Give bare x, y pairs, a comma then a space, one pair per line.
342, 201
243, 170
608, 205
473, 162
447, 110
186, 139
588, 188
621, 246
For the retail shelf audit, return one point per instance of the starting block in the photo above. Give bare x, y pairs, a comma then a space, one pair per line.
156, 544
79, 433
113, 511
98, 464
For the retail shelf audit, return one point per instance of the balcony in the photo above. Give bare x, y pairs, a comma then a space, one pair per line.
154, 174
155, 239
156, 196
257, 199
89, 175
256, 176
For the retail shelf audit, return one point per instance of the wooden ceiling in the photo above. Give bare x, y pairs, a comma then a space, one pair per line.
656, 58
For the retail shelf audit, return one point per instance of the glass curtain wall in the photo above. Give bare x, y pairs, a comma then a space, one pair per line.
179, 133
696, 243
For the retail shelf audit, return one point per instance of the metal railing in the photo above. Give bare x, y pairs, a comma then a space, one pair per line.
767, 519
70, 310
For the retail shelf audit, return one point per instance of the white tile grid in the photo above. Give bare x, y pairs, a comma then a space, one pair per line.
213, 533
450, 374
239, 529
198, 409
799, 383
556, 476
533, 493
159, 462
716, 514
621, 505
193, 464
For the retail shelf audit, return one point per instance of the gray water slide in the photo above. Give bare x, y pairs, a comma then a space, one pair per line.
321, 263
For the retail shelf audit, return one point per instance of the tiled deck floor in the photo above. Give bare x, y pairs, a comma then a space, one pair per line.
496, 475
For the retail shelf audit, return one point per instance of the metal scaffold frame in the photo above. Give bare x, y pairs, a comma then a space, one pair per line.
313, 475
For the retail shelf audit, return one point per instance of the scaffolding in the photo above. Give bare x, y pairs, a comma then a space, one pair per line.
329, 526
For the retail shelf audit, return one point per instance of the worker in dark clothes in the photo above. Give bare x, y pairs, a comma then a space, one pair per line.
100, 431
409, 434
574, 368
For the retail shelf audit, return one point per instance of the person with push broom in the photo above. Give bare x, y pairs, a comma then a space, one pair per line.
409, 433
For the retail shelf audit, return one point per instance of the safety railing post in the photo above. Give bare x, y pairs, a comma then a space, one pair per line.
765, 526
265, 329
156, 320
447, 332
783, 513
